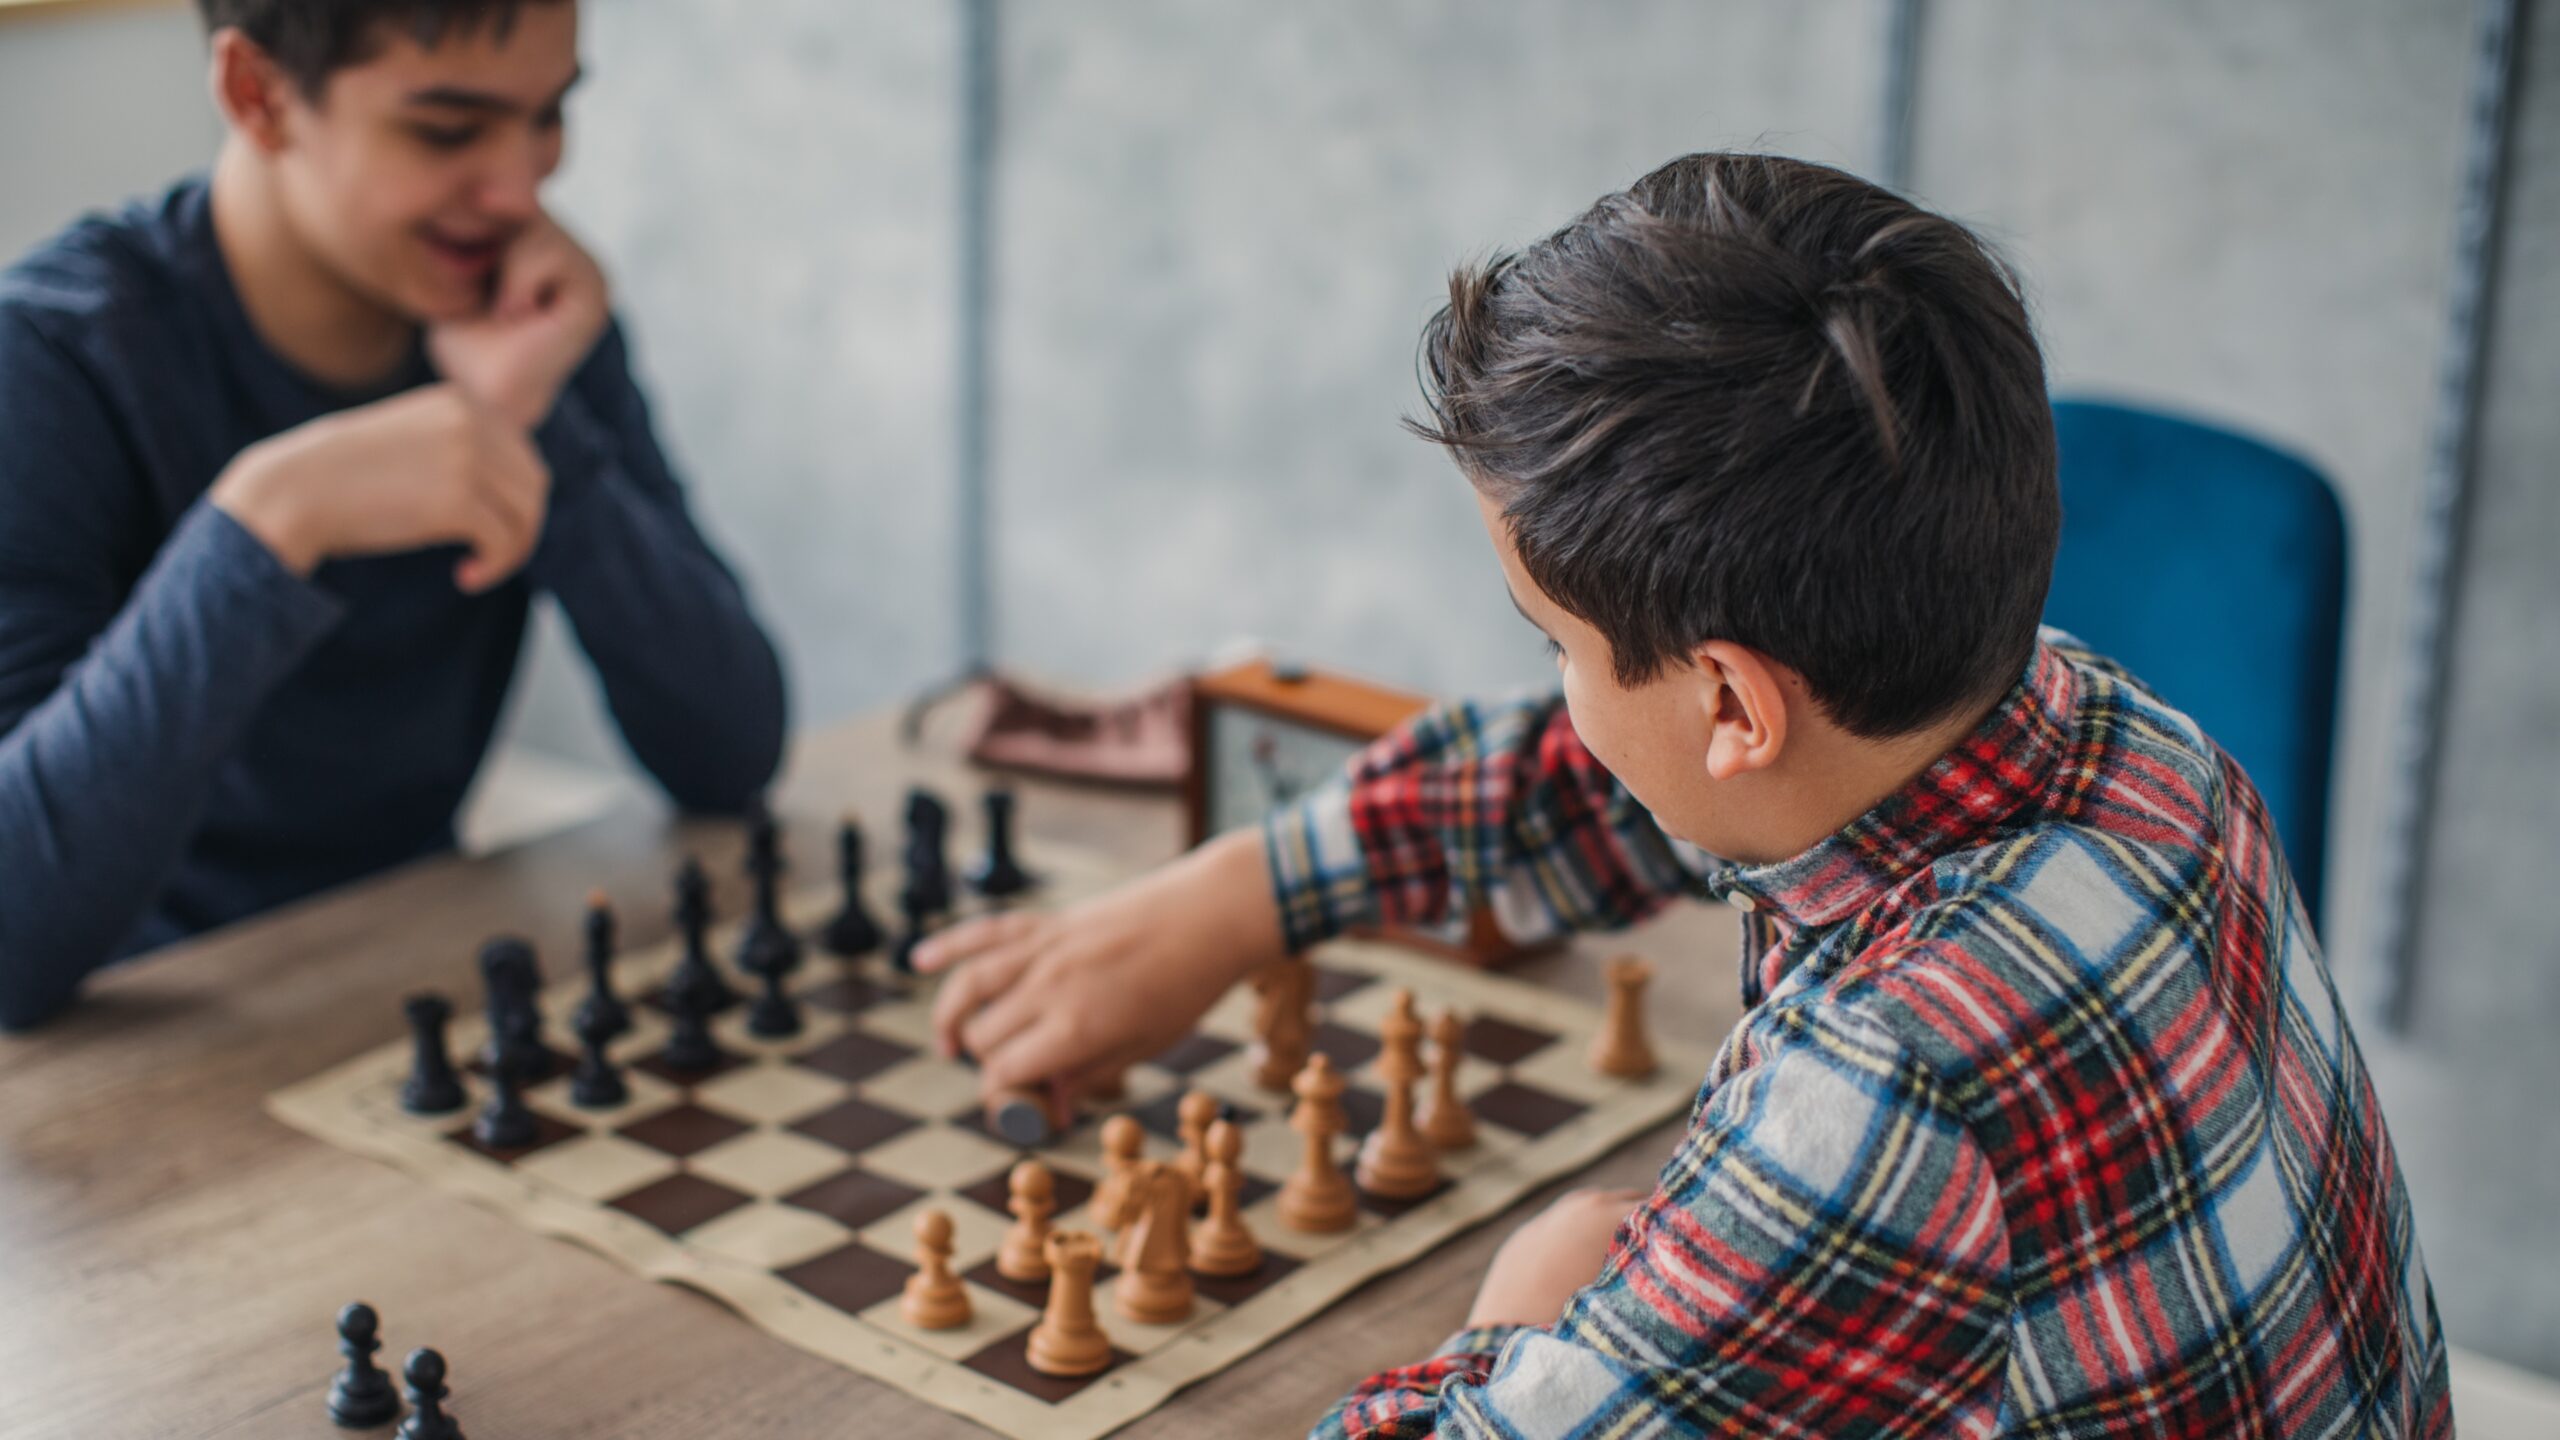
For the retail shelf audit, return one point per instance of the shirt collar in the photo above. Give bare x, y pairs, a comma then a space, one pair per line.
1965, 798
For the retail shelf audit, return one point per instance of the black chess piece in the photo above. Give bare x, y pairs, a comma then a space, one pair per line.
512, 977
767, 943
774, 1015
427, 1420
928, 880
853, 933
997, 875
689, 1047
432, 1087
362, 1396
694, 971
601, 1009
919, 922
597, 1082
504, 1123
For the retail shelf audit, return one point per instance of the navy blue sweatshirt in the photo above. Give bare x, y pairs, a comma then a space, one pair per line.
190, 733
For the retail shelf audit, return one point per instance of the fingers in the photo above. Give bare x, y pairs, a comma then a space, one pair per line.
1050, 1044
977, 937
1002, 1018
500, 539
970, 988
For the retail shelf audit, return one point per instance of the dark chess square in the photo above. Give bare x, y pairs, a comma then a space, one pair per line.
679, 1202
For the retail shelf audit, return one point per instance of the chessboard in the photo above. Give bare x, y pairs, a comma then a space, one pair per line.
787, 1179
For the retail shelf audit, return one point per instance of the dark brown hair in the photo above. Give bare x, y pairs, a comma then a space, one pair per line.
1759, 400
311, 39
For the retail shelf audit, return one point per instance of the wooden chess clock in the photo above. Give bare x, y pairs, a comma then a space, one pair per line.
1264, 734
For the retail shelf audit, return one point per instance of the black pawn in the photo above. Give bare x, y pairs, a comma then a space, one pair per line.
601, 1010
432, 1088
597, 1082
853, 932
362, 1396
694, 972
998, 875
504, 1123
767, 944
689, 1049
427, 1420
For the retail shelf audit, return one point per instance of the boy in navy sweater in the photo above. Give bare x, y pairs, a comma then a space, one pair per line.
289, 452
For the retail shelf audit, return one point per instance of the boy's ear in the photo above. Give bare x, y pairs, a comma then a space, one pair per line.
249, 88
1747, 708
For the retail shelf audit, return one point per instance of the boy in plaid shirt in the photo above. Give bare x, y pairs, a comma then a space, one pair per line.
2043, 1118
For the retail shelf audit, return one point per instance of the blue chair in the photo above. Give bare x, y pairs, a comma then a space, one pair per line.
2214, 567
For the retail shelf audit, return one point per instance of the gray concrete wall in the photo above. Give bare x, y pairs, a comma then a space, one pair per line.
96, 105
1222, 228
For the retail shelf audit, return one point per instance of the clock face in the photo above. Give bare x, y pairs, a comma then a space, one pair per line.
1258, 763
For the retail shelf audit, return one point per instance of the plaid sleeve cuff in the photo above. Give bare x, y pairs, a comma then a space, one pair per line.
1318, 873
1481, 1343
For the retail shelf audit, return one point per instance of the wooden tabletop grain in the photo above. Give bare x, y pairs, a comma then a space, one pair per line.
171, 1259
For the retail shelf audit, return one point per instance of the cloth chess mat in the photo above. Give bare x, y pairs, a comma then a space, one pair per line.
787, 1182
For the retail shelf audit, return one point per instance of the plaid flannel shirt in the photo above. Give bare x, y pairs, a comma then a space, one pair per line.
2043, 1118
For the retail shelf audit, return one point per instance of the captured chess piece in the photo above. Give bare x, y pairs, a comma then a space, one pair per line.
1223, 1245
601, 1010
694, 970
997, 875
1445, 1120
362, 1396
1193, 1115
1317, 1198
1019, 1117
1155, 1287
767, 943
1283, 1021
1122, 1138
424, 1373
597, 1082
853, 933
1621, 1048
1033, 1198
1395, 1162
935, 1298
432, 1087
1069, 1341
512, 977
504, 1123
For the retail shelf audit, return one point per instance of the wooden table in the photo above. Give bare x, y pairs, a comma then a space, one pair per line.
171, 1259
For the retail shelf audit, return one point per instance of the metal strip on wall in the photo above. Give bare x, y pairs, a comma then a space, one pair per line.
972, 571
2444, 505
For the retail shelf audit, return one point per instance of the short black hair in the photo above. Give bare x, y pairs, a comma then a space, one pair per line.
1760, 400
313, 39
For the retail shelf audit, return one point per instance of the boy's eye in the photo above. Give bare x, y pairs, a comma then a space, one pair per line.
446, 137
1555, 651
549, 119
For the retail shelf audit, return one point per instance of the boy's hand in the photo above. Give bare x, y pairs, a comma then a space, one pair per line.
1057, 998
547, 308
1556, 1253
429, 466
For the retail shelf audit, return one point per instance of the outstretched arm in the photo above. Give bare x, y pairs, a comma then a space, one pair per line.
1471, 805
